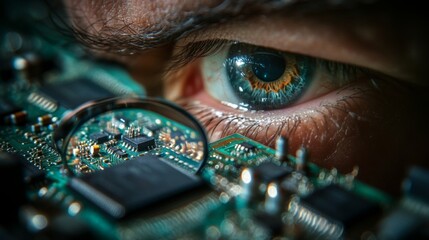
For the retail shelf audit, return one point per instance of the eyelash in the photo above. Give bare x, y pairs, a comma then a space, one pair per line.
212, 121
189, 52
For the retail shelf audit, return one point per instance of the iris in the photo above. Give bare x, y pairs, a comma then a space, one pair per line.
268, 66
264, 78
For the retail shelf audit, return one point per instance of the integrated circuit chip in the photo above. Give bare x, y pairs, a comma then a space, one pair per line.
99, 137
135, 185
113, 134
140, 143
247, 147
74, 93
269, 172
120, 154
339, 205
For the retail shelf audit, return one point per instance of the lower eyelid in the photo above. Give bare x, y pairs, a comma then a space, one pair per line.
265, 126
329, 126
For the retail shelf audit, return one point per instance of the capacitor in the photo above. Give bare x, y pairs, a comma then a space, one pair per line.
19, 118
282, 149
45, 119
36, 128
94, 150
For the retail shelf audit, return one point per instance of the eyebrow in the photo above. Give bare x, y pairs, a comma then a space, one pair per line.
127, 40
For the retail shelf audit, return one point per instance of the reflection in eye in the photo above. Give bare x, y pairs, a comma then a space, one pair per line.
259, 78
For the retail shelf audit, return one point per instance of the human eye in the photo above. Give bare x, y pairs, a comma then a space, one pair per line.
250, 77
263, 92
340, 112
348, 82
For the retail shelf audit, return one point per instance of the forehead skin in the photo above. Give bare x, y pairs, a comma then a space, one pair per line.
100, 16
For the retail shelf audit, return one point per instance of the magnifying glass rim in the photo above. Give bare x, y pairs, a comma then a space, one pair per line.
70, 123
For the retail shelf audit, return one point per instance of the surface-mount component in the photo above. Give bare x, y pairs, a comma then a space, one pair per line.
74, 93
138, 184
99, 137
245, 146
113, 134
338, 208
140, 143
7, 108
268, 172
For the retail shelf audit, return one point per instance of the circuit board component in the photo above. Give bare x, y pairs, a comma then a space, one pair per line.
85, 155
72, 94
135, 185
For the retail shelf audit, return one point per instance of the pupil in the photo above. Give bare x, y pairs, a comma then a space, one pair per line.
268, 66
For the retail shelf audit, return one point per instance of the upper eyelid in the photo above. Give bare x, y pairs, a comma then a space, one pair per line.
187, 53
359, 42
190, 51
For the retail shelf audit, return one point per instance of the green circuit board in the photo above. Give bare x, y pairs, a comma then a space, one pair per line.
135, 173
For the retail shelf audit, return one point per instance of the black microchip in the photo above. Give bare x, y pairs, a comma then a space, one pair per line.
121, 154
7, 108
138, 184
99, 137
74, 93
269, 172
113, 135
140, 143
339, 205
247, 146
113, 149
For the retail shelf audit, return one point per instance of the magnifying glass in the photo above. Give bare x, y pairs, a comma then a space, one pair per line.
107, 132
